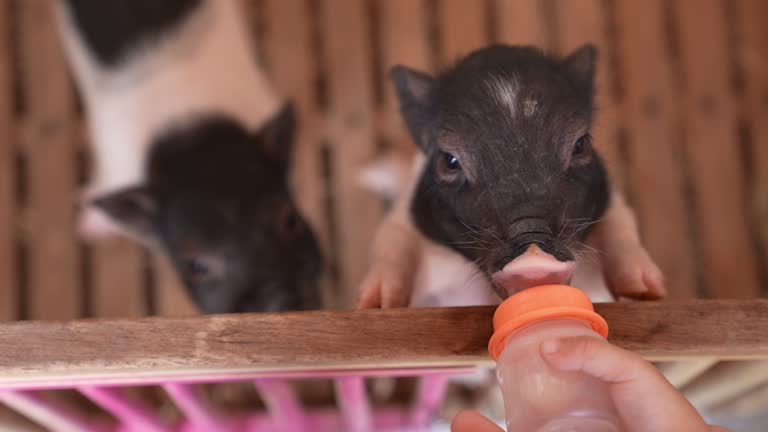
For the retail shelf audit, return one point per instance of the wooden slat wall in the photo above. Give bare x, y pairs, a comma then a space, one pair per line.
55, 282
657, 107
584, 22
521, 22
462, 28
289, 29
8, 285
655, 177
348, 67
716, 169
117, 272
752, 60
404, 40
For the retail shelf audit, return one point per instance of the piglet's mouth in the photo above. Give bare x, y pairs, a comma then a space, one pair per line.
533, 268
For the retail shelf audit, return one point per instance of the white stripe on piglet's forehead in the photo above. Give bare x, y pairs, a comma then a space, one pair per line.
505, 90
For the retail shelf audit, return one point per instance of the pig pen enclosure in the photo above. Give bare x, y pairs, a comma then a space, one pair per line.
682, 123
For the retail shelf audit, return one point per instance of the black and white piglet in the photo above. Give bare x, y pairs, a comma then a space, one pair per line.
191, 149
507, 191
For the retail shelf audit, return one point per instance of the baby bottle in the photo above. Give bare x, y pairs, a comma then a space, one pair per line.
537, 397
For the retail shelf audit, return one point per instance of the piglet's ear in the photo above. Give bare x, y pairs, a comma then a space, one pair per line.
581, 65
414, 90
278, 134
132, 208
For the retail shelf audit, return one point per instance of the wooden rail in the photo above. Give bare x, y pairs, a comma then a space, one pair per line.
252, 345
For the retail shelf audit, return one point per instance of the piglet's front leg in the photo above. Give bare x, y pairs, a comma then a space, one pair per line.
395, 260
628, 268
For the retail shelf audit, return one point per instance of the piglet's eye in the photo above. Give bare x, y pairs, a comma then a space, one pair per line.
449, 168
581, 145
451, 161
196, 268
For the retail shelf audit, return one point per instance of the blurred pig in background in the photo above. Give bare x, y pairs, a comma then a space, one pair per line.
191, 149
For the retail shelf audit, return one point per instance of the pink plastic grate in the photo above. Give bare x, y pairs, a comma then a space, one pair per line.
283, 411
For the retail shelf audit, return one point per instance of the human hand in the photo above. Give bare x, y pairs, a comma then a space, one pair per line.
645, 400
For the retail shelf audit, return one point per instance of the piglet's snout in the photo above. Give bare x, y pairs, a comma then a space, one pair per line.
532, 268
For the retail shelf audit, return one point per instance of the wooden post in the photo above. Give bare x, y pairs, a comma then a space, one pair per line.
713, 150
8, 277
463, 28
289, 51
351, 134
584, 22
404, 41
753, 61
655, 177
521, 22
117, 279
54, 262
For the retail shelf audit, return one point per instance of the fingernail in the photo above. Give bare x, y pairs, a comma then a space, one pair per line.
550, 346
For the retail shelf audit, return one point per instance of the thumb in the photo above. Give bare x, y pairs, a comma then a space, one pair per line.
645, 400
598, 358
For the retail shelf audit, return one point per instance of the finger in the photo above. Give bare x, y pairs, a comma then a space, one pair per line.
473, 421
645, 400
370, 296
595, 357
715, 428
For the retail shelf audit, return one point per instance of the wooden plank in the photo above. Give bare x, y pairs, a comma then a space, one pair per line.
655, 181
585, 22
725, 381
8, 280
171, 298
54, 277
350, 121
117, 279
289, 51
463, 28
521, 22
125, 349
713, 150
753, 62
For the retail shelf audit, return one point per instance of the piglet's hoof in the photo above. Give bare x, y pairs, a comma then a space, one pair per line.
385, 288
632, 273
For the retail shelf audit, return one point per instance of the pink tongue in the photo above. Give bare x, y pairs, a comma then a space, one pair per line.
533, 268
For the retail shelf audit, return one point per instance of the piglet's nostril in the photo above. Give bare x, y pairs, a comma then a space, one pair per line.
526, 244
540, 238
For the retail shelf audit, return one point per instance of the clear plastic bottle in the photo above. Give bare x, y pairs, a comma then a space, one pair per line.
538, 398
